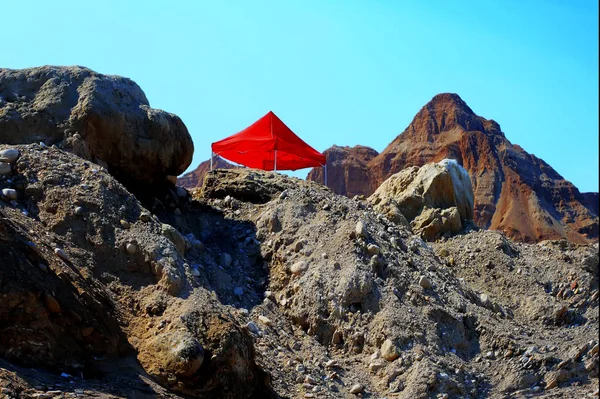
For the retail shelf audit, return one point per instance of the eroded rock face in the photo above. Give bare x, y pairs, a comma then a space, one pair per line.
433, 199
514, 191
106, 119
347, 172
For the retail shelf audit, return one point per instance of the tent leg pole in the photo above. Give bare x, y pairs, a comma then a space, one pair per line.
325, 167
211, 158
275, 169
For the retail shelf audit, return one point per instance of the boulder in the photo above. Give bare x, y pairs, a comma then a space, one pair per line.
103, 118
433, 199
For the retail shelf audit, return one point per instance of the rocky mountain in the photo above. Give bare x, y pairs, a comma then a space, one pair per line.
347, 171
515, 192
195, 178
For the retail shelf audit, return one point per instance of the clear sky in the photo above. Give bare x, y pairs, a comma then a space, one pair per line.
340, 72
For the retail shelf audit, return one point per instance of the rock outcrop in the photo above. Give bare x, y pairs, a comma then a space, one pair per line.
106, 119
347, 171
195, 178
435, 199
515, 192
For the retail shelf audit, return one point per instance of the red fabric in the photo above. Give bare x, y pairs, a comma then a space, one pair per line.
255, 147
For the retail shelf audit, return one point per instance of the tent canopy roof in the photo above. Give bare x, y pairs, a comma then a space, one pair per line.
257, 145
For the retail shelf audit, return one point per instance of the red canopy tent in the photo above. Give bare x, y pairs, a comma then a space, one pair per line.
268, 144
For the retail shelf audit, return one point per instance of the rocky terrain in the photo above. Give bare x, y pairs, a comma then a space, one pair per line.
235, 294
112, 289
515, 192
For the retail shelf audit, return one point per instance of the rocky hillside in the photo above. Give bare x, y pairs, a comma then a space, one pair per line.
347, 171
515, 192
215, 298
195, 178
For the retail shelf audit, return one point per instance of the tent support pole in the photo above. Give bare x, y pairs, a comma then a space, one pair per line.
275, 169
211, 157
325, 168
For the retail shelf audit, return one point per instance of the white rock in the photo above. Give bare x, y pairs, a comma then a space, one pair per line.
299, 267
361, 229
356, 388
9, 193
265, 320
130, 248
9, 155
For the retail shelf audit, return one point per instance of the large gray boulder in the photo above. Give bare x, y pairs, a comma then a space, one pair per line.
106, 119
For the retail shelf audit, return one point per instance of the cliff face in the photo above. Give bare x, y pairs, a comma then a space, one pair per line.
347, 172
195, 178
515, 191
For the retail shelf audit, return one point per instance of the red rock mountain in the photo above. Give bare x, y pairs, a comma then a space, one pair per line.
347, 171
515, 191
195, 178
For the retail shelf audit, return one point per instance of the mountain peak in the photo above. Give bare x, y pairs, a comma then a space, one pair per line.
449, 100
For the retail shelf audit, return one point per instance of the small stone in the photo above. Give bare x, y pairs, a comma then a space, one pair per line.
485, 300
283, 195
145, 216
195, 271
10, 194
51, 303
330, 363
9, 155
252, 328
489, 355
61, 254
361, 229
225, 259
238, 291
424, 282
78, 211
444, 252
310, 380
336, 338
326, 207
356, 389
124, 224
389, 351
299, 267
373, 249
130, 248
5, 391
5, 168
265, 320
376, 365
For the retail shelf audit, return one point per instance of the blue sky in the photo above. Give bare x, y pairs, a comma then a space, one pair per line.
338, 72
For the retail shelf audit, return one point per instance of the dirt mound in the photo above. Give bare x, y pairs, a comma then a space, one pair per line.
106, 119
515, 192
283, 289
